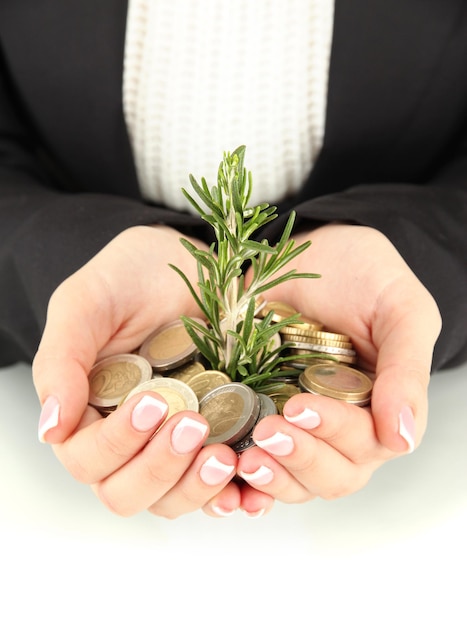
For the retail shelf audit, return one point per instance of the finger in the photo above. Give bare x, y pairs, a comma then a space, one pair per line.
224, 503
65, 356
206, 477
405, 349
255, 503
101, 446
158, 467
348, 428
312, 463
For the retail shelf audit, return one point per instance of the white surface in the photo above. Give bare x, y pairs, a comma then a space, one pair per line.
394, 553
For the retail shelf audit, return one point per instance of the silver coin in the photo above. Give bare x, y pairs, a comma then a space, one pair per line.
231, 410
176, 393
110, 379
267, 407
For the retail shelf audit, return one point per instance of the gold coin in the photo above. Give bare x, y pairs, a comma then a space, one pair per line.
110, 379
206, 381
169, 347
281, 396
306, 338
281, 310
337, 381
185, 372
231, 411
324, 334
178, 395
306, 324
299, 347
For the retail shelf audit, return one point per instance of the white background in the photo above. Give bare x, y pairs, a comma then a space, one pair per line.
394, 553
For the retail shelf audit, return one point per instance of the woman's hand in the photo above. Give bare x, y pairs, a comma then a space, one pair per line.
110, 306
323, 447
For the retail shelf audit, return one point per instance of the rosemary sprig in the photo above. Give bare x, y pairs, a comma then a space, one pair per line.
235, 341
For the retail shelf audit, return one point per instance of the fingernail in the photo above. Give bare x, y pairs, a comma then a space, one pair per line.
218, 510
49, 417
148, 413
407, 427
262, 476
213, 472
187, 435
306, 419
254, 514
279, 444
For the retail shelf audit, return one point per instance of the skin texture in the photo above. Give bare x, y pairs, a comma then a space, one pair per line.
321, 447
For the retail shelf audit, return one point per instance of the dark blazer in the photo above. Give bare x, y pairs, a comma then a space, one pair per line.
394, 155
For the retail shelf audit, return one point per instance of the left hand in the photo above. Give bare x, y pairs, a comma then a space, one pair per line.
324, 447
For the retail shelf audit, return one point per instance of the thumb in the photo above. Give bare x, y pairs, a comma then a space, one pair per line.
66, 353
400, 394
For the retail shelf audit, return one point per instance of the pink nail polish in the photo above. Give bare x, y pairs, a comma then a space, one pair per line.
187, 435
262, 476
148, 413
49, 417
407, 427
306, 419
213, 472
279, 444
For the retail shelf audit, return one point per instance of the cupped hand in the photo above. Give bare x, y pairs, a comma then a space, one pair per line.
108, 306
324, 447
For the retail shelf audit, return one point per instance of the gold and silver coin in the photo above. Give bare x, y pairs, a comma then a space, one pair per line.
206, 381
110, 379
231, 411
267, 407
169, 347
337, 381
178, 395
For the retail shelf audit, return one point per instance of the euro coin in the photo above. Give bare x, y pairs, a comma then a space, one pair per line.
110, 379
186, 372
283, 394
178, 395
267, 407
231, 411
169, 347
281, 311
337, 381
206, 381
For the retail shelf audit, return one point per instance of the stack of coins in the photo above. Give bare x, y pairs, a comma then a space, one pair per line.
168, 363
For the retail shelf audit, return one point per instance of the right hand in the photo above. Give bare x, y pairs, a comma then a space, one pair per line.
110, 306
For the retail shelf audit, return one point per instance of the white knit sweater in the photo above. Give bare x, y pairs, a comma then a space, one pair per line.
204, 76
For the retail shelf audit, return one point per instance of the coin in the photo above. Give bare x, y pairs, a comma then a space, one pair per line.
267, 407
301, 337
176, 393
206, 381
281, 310
110, 379
299, 347
283, 394
185, 372
337, 381
169, 347
231, 411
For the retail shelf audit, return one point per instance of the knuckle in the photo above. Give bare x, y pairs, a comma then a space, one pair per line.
108, 444
114, 504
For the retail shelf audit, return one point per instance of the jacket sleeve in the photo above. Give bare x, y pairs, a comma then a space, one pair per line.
46, 234
427, 223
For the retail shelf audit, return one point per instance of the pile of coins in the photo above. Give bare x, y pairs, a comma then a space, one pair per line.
168, 363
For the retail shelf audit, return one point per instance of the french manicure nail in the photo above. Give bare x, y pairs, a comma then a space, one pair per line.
148, 413
306, 419
218, 510
213, 472
262, 476
49, 417
254, 514
279, 444
187, 435
407, 427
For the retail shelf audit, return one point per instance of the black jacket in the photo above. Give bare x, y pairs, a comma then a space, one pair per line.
394, 155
